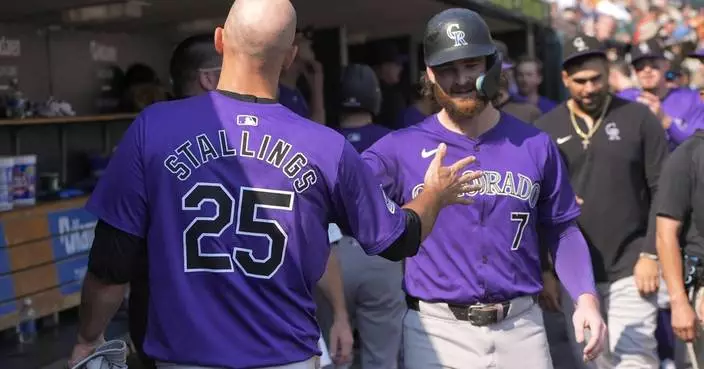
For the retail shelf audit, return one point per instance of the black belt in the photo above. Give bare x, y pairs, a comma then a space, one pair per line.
479, 315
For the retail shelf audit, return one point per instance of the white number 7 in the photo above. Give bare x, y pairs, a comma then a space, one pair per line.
522, 219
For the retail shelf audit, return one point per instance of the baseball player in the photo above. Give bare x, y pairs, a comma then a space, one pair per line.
678, 206
529, 76
472, 287
194, 69
680, 109
231, 195
372, 285
614, 149
360, 101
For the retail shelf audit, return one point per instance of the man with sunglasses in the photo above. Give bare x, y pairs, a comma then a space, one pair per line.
679, 109
613, 149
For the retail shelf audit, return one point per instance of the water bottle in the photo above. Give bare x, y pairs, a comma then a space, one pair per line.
27, 329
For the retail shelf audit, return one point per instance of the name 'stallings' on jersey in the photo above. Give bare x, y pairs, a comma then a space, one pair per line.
487, 251
194, 152
234, 199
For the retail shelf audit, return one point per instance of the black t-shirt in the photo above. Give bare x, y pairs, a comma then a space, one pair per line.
616, 176
681, 191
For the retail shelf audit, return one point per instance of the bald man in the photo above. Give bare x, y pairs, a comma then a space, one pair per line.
230, 194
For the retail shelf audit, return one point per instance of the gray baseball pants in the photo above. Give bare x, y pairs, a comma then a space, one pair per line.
375, 302
631, 320
434, 338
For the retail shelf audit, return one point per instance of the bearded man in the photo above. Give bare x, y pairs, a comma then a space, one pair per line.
471, 288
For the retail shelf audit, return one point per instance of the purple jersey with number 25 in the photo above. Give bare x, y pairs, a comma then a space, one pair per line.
487, 251
234, 199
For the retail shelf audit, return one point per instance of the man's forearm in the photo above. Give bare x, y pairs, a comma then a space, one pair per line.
427, 205
671, 262
332, 287
573, 263
99, 303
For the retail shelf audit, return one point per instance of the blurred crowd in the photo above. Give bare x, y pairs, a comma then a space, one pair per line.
676, 26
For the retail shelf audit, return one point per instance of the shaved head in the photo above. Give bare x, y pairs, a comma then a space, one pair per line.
256, 44
260, 28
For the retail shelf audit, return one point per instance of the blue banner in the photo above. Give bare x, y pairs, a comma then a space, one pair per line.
4, 258
7, 287
71, 232
70, 274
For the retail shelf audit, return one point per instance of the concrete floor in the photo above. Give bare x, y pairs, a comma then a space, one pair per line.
53, 345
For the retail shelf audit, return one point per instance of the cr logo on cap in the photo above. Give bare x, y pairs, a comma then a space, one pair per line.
644, 48
454, 33
580, 44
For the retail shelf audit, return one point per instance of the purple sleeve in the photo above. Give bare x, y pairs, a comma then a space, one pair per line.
120, 198
573, 263
361, 208
557, 203
380, 159
681, 129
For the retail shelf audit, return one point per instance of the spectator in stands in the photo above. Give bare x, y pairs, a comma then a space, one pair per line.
605, 27
529, 76
305, 65
620, 77
422, 105
388, 65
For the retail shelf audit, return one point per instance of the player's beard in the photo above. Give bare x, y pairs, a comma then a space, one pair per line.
595, 106
459, 108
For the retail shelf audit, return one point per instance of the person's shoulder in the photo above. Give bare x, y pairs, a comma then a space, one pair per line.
172, 107
627, 110
684, 93
555, 116
520, 129
619, 103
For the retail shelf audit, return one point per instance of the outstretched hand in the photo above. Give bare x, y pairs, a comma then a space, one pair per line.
449, 182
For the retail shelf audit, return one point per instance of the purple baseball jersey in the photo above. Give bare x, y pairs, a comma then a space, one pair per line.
488, 251
294, 100
363, 137
685, 108
234, 200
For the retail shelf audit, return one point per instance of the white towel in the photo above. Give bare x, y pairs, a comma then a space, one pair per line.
109, 355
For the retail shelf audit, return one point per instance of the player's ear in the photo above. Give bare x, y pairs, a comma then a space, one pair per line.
290, 57
565, 79
218, 40
431, 75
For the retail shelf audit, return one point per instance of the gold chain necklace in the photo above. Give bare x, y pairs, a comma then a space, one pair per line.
586, 137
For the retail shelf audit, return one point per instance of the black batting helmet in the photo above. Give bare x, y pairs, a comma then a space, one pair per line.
360, 88
458, 33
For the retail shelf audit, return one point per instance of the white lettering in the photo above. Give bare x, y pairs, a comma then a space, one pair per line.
76, 236
493, 183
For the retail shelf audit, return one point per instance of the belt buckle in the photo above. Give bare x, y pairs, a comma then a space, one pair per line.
481, 315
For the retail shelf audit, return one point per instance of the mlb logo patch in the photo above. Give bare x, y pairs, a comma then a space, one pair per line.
247, 120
